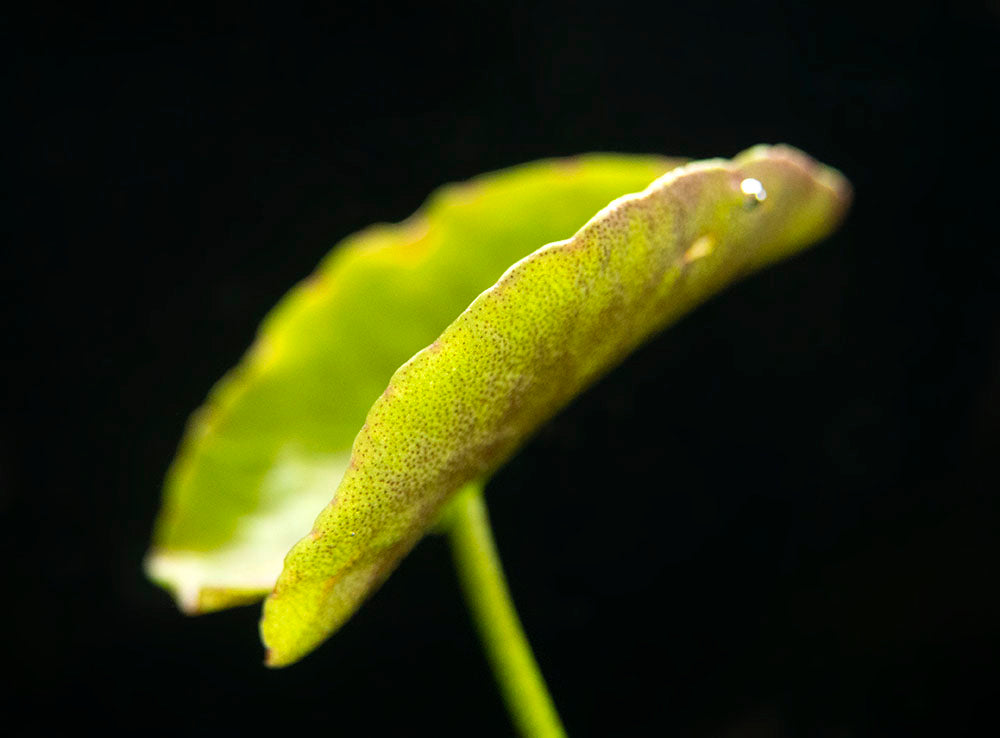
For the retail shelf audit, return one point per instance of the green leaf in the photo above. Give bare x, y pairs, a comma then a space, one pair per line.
553, 323
268, 449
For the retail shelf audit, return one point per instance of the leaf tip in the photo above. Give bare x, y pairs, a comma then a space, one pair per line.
271, 660
278, 652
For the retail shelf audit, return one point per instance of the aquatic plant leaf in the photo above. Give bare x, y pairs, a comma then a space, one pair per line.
267, 450
553, 323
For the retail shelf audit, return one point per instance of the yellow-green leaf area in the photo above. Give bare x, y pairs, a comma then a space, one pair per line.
554, 322
270, 445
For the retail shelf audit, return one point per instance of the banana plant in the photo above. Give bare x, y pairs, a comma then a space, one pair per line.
384, 390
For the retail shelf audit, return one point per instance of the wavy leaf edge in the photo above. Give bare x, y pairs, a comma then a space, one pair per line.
455, 411
270, 444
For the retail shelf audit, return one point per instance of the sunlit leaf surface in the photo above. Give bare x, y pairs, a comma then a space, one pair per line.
554, 322
269, 447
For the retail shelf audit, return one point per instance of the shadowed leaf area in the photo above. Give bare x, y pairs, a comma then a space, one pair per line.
278, 438
265, 453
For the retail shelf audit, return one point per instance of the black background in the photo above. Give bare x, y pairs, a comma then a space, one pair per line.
776, 519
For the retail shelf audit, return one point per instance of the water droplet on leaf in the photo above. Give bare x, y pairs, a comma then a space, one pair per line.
753, 191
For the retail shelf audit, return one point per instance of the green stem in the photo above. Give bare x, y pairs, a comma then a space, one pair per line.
492, 608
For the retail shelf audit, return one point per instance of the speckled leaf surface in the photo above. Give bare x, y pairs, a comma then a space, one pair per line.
269, 447
554, 322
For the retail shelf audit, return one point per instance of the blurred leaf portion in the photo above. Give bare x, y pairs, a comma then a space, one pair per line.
268, 448
553, 323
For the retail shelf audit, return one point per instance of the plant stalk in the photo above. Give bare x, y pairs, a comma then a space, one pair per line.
481, 574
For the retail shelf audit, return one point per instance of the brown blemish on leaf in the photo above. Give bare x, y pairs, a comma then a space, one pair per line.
331, 582
569, 165
314, 283
465, 193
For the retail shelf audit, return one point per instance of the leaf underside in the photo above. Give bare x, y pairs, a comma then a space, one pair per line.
269, 447
276, 436
553, 323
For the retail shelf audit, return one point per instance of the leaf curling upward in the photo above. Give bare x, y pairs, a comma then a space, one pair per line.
552, 324
268, 448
